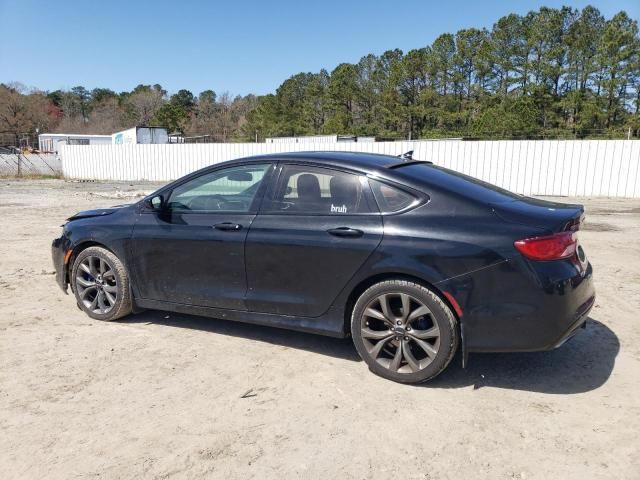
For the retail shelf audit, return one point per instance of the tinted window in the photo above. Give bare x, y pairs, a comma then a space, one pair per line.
460, 183
390, 199
229, 190
319, 191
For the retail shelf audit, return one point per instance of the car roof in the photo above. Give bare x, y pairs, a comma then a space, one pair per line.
382, 166
356, 160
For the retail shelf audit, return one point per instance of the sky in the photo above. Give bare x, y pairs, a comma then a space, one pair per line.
236, 46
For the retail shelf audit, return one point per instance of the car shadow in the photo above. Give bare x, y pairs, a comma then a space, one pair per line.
584, 363
334, 347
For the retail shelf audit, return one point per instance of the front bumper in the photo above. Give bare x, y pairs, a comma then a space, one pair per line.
59, 247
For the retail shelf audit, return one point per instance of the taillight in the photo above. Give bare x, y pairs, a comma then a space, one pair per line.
573, 225
552, 247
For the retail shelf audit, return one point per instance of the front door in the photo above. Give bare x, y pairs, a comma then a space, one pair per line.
191, 251
315, 230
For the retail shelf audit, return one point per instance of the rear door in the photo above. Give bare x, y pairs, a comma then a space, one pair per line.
192, 250
316, 228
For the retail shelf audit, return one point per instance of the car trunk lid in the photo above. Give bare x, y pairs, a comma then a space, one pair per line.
551, 217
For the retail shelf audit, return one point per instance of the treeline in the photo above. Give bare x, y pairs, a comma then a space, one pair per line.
103, 111
554, 73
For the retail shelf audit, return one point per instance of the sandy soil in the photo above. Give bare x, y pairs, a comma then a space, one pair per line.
170, 396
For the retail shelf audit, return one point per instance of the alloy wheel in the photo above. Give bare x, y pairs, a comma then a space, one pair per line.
400, 333
97, 285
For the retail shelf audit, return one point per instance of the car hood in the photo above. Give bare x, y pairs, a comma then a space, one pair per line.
98, 212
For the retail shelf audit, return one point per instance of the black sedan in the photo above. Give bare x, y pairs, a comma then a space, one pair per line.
409, 259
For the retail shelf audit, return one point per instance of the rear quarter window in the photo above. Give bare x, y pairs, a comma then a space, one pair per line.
459, 183
390, 199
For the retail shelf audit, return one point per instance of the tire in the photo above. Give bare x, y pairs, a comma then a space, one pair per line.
404, 331
101, 284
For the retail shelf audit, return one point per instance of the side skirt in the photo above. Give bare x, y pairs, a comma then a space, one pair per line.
330, 324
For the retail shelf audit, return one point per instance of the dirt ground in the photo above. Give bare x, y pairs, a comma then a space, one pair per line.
162, 395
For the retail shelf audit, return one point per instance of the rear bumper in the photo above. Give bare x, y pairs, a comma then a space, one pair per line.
523, 306
580, 322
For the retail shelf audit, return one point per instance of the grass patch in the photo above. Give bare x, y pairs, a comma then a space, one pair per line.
32, 176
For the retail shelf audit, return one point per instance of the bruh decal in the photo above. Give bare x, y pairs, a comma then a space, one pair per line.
338, 209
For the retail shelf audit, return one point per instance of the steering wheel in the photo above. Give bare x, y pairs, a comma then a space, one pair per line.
206, 202
178, 205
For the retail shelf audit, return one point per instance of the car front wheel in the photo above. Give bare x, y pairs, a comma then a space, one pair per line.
101, 284
404, 331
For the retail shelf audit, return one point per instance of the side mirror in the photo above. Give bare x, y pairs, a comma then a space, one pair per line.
155, 203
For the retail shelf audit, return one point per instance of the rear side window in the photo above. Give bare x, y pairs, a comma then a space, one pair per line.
390, 199
319, 191
459, 183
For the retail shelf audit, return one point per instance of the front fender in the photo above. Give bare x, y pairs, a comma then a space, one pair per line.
112, 232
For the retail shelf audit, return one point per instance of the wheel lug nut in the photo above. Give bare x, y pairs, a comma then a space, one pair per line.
406, 339
408, 329
398, 322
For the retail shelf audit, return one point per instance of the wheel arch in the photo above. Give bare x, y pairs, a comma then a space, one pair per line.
364, 284
77, 249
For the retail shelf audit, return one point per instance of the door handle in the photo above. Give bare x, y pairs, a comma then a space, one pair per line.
227, 226
345, 232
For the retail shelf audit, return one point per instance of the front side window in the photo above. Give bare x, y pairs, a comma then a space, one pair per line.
228, 190
319, 191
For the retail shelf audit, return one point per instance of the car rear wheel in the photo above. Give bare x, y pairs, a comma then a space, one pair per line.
101, 284
404, 331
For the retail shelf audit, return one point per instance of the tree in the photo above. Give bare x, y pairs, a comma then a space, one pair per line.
227, 118
510, 54
618, 57
314, 102
107, 116
22, 111
183, 99
264, 118
443, 52
99, 95
411, 76
468, 68
290, 103
342, 93
144, 103
208, 96
81, 98
171, 116
583, 38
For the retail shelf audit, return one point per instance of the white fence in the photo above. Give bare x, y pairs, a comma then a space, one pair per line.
532, 167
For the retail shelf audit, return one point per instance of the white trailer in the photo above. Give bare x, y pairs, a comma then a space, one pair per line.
304, 139
49, 142
320, 139
141, 135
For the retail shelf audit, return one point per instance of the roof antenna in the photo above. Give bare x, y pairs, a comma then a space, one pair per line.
407, 155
